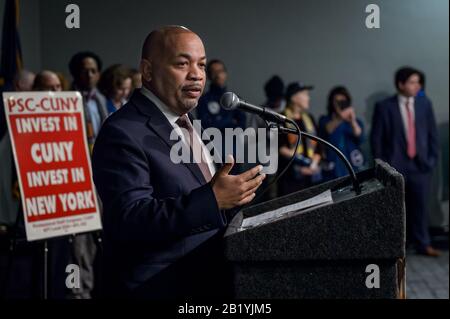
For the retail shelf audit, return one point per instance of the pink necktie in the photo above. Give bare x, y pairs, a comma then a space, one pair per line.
185, 123
411, 132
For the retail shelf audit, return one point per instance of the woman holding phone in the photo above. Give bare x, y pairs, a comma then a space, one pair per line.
344, 130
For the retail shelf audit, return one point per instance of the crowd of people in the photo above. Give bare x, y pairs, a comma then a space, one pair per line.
403, 133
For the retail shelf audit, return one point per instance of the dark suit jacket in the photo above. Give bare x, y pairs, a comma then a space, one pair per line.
388, 137
155, 212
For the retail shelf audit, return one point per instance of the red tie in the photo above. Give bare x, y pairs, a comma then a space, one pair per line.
411, 132
185, 123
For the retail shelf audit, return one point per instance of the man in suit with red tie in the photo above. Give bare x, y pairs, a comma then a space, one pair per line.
404, 134
163, 220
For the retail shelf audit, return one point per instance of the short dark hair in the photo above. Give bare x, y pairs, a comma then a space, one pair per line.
274, 88
403, 74
77, 59
210, 63
338, 90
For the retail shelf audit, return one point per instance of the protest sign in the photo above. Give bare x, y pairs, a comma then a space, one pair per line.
48, 137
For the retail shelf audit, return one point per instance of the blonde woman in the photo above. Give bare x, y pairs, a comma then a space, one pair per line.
305, 169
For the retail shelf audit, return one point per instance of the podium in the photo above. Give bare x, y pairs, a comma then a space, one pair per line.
351, 248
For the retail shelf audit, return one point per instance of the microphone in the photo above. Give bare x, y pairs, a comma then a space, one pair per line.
230, 101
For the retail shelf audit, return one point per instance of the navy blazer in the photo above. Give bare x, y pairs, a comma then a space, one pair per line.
389, 141
154, 211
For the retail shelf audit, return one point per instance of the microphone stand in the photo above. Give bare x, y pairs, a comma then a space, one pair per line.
356, 186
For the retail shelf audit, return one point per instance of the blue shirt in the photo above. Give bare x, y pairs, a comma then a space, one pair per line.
96, 119
110, 106
212, 114
344, 139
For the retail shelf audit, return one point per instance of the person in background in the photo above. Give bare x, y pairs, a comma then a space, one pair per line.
85, 68
9, 185
209, 110
17, 256
404, 134
344, 130
115, 84
12, 225
59, 249
23, 81
47, 81
211, 114
305, 169
274, 91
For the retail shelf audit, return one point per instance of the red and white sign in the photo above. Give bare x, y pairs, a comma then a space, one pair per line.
53, 165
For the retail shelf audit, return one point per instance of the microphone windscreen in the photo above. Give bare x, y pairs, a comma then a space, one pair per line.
229, 101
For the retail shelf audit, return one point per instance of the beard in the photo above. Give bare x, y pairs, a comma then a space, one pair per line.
190, 104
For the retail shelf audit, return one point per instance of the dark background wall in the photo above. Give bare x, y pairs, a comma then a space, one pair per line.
320, 42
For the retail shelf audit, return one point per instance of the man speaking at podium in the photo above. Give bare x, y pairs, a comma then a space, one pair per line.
163, 221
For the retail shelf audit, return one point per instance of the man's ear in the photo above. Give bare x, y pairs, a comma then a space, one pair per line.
146, 70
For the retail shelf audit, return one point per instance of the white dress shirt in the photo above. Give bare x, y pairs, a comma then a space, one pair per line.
401, 103
172, 117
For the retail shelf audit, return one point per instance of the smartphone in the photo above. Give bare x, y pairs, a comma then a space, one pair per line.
343, 104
